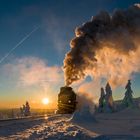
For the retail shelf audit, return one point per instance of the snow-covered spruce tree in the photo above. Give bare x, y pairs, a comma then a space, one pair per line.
101, 101
109, 107
128, 98
27, 109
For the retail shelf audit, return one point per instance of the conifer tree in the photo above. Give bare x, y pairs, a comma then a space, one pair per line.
27, 109
102, 100
109, 98
128, 98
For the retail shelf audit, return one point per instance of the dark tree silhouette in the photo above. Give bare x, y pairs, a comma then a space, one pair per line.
128, 98
109, 99
102, 100
27, 109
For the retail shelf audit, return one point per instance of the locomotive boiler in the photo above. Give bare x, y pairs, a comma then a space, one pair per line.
66, 100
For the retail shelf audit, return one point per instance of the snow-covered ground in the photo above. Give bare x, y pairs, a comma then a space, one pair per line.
124, 125
52, 128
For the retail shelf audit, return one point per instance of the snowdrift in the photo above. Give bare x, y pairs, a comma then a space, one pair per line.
83, 116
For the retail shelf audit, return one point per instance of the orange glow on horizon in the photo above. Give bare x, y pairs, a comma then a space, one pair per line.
39, 103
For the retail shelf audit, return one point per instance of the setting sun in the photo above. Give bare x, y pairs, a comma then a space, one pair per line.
45, 101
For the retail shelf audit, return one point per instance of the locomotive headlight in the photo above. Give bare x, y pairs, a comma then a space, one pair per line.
69, 101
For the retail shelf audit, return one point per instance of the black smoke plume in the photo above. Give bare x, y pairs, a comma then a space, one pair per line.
107, 46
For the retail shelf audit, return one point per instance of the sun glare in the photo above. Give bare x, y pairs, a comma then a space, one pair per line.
45, 101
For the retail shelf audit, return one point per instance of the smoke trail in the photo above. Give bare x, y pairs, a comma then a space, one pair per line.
18, 44
105, 47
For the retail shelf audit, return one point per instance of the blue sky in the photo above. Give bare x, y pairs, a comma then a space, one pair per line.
49, 44
57, 19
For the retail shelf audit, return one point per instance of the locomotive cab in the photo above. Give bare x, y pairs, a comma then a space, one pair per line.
66, 100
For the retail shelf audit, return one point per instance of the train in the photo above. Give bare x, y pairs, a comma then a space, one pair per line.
66, 100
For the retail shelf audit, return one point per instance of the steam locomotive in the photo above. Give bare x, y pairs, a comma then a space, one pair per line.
66, 100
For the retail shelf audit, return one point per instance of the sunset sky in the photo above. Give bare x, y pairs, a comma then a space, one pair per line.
34, 69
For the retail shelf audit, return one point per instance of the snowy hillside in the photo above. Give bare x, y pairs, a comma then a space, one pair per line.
136, 100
